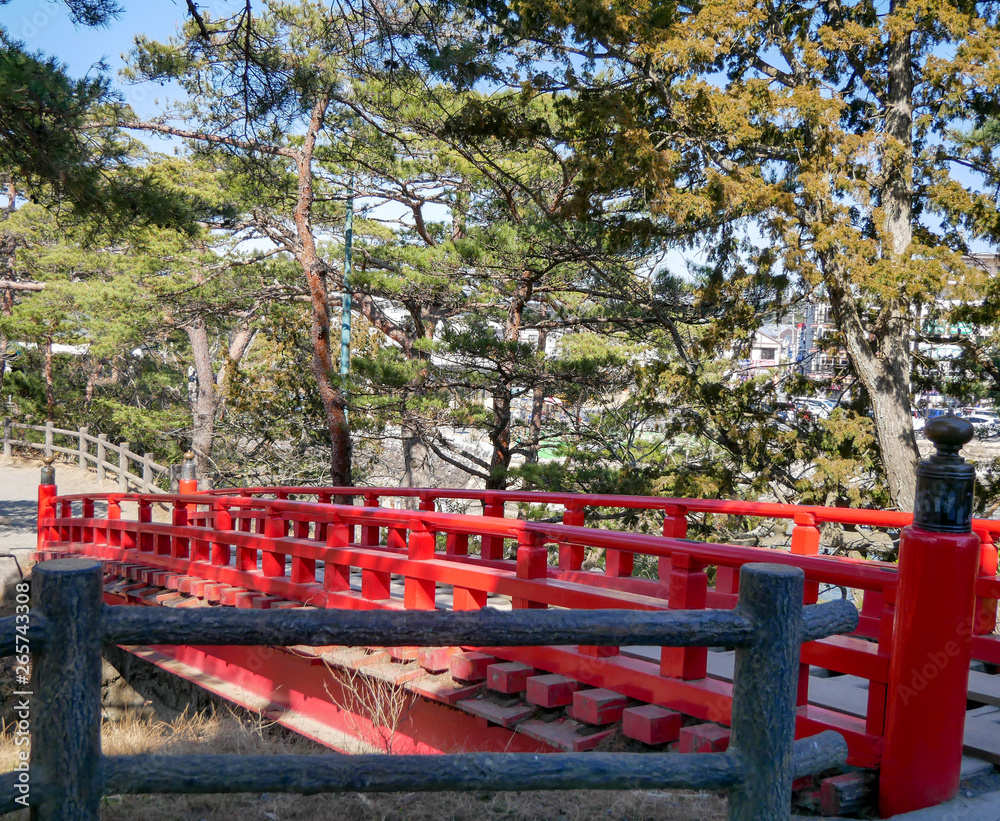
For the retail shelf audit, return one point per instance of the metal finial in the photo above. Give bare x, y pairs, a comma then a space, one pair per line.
188, 468
945, 482
48, 471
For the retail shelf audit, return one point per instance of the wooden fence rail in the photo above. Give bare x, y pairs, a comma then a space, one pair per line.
67, 773
134, 471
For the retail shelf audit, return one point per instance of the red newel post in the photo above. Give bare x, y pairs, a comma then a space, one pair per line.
931, 640
188, 483
46, 493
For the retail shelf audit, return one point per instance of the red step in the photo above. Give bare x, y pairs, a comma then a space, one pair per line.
703, 738
598, 706
470, 665
435, 659
651, 724
508, 677
565, 734
551, 690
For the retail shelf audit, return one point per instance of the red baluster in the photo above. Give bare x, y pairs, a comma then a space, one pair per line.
375, 584
145, 517
336, 575
219, 553
419, 594
275, 527
532, 563
571, 555
179, 518
675, 526
986, 609
88, 513
688, 590
492, 545
114, 536
805, 542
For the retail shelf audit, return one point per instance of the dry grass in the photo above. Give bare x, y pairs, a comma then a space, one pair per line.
226, 733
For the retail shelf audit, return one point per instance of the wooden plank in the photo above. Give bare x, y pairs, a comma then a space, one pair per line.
982, 739
984, 688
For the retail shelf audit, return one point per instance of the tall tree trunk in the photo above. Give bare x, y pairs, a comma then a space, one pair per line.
204, 404
537, 407
331, 396
500, 438
503, 389
883, 366
889, 384
416, 462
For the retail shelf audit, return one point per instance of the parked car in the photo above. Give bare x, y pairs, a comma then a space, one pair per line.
812, 408
987, 426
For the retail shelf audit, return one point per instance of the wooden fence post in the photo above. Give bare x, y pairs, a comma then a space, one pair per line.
764, 686
123, 467
84, 447
66, 684
102, 455
8, 450
147, 474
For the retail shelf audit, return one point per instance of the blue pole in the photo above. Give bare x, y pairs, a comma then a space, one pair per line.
345, 316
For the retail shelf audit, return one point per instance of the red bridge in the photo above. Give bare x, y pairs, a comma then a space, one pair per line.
290, 547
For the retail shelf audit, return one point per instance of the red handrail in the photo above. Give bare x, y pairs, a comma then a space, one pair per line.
306, 550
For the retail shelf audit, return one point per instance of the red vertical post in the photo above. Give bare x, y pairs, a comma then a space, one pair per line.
688, 590
46, 507
179, 518
675, 526
878, 691
986, 609
532, 563
375, 584
457, 544
66, 514
370, 533
114, 536
188, 482
87, 532
336, 575
275, 527
932, 631
303, 568
463, 598
320, 535
571, 555
492, 546
219, 551
419, 594
805, 542
144, 540
619, 563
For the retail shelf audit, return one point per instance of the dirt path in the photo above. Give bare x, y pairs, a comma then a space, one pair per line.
19, 504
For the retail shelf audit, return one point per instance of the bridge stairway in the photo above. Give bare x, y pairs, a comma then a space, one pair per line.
506, 705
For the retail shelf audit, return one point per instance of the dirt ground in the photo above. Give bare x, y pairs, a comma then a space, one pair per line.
224, 733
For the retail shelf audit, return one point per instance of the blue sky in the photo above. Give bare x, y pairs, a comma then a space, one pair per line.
45, 25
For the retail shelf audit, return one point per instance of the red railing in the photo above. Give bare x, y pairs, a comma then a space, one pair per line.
805, 537
268, 544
